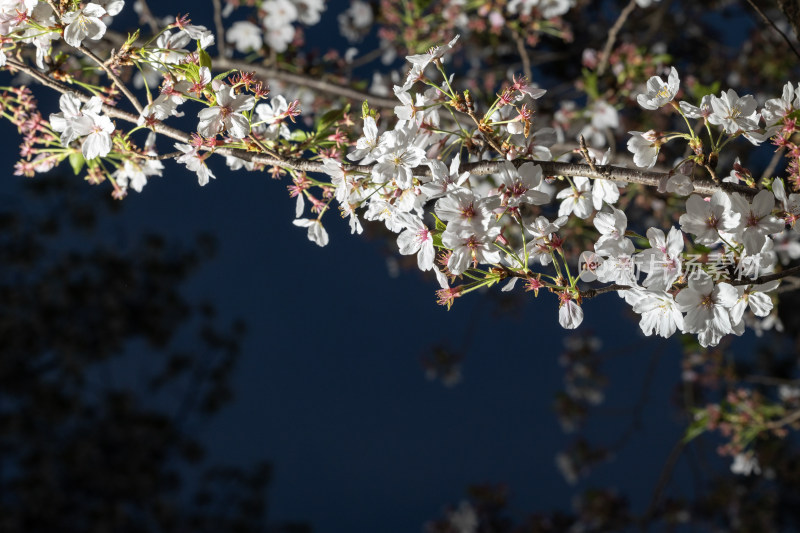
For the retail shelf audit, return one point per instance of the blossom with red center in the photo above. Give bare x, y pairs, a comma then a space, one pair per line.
447, 296
533, 284
570, 314
227, 114
417, 239
181, 21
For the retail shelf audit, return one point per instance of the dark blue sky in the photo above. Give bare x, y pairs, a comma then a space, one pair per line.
330, 388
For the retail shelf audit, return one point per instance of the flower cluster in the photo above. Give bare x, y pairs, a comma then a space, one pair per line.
471, 189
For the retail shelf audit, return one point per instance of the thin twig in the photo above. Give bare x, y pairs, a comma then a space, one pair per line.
612, 36
766, 279
591, 293
160, 157
585, 153
774, 26
711, 173
114, 78
370, 56
221, 44
523, 54
773, 163
787, 420
147, 17
663, 479
267, 73
770, 380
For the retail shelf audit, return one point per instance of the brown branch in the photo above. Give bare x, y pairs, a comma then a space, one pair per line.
612, 36
774, 26
766, 279
550, 168
773, 163
267, 73
160, 157
147, 17
789, 419
591, 293
770, 380
523, 54
221, 44
114, 78
663, 479
791, 10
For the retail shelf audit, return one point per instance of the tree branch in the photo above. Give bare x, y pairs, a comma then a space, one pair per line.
523, 54
774, 26
550, 168
114, 78
221, 44
612, 36
266, 73
766, 279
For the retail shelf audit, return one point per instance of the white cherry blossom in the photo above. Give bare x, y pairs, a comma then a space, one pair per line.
98, 141
316, 232
644, 147
84, 23
194, 162
755, 219
470, 245
74, 120
734, 113
245, 36
662, 261
707, 306
521, 185
576, 199
570, 314
227, 114
612, 228
660, 313
790, 203
417, 239
706, 219
660, 93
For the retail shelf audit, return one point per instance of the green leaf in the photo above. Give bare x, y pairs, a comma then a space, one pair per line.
77, 161
440, 226
132, 37
699, 90
437, 239
299, 135
224, 74
327, 120
205, 59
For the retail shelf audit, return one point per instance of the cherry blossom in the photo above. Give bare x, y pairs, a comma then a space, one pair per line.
707, 306
756, 219
644, 147
194, 162
660, 312
734, 113
74, 120
316, 232
245, 36
707, 219
417, 239
662, 261
84, 23
660, 93
227, 114
576, 199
